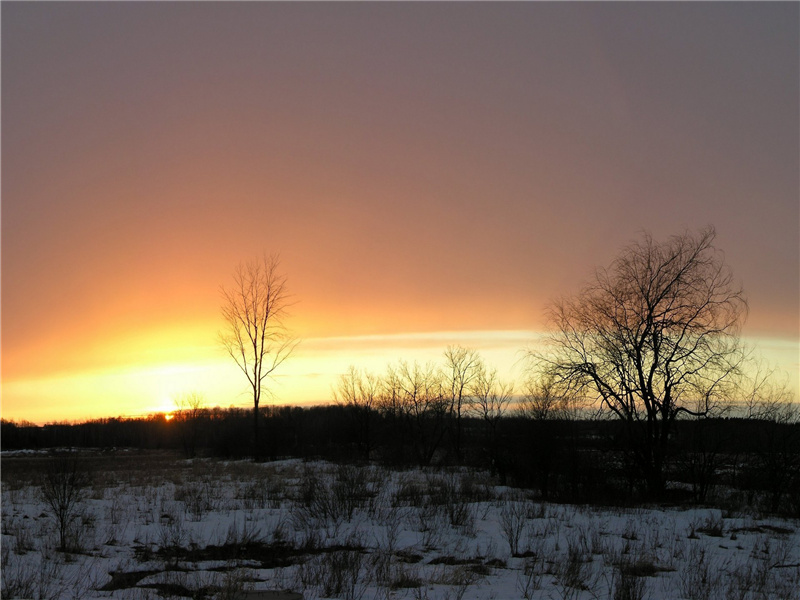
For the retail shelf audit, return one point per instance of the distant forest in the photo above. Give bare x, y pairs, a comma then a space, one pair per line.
730, 462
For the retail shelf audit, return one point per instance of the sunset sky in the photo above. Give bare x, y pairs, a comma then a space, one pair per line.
430, 173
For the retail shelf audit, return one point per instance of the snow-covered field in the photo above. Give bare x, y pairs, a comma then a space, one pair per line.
151, 526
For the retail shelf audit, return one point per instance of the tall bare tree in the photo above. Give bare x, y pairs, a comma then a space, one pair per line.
461, 367
654, 336
255, 334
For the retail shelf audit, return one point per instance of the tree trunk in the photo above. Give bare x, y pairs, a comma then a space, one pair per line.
256, 445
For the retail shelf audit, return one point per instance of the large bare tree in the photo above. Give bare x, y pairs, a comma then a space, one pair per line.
653, 336
255, 334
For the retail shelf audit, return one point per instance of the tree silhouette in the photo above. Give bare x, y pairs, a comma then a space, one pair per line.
653, 336
255, 335
461, 367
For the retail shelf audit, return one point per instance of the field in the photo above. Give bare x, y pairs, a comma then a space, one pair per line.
143, 525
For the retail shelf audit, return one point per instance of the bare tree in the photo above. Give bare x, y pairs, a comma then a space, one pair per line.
765, 392
461, 367
775, 413
489, 397
549, 410
543, 398
488, 400
188, 408
416, 393
359, 392
255, 334
654, 336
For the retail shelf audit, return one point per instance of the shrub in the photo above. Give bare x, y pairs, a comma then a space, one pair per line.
512, 523
628, 586
63, 491
699, 577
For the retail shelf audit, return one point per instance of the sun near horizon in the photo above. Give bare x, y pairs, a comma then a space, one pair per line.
130, 390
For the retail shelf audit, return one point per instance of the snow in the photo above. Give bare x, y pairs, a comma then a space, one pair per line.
152, 529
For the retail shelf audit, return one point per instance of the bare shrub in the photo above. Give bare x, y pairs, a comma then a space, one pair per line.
460, 579
712, 526
571, 572
310, 540
431, 522
512, 523
747, 579
40, 579
380, 563
350, 489
392, 520
405, 577
409, 492
117, 508
172, 533
543, 522
700, 577
579, 540
445, 490
63, 492
255, 494
631, 531
18, 577
276, 529
476, 487
233, 584
529, 579
597, 544
346, 575
197, 497
24, 541
537, 510
329, 504
627, 584
244, 534
112, 533
340, 574
781, 552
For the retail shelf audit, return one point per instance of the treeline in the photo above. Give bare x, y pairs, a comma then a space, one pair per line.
734, 462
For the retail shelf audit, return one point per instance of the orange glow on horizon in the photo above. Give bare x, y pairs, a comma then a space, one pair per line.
151, 386
179, 367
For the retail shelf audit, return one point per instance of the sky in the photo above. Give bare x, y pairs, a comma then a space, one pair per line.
429, 173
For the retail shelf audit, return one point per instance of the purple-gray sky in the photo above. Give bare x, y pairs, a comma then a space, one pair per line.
419, 166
